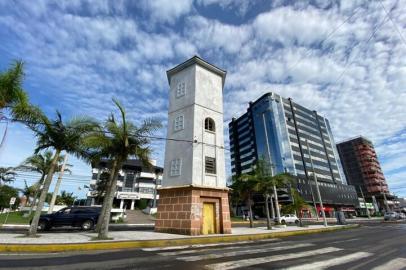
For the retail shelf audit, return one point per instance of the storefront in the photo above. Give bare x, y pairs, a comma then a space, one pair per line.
349, 212
328, 210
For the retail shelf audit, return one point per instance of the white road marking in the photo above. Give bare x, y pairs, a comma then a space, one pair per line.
331, 262
240, 252
255, 261
182, 252
208, 245
342, 241
395, 264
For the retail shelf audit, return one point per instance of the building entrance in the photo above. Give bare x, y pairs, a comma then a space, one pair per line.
209, 218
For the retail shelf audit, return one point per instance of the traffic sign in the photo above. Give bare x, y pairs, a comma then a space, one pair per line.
12, 200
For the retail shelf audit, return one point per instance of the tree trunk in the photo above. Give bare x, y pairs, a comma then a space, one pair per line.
268, 218
106, 192
58, 183
250, 213
36, 194
34, 223
108, 201
272, 208
278, 214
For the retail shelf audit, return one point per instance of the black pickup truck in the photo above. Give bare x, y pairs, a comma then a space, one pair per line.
83, 217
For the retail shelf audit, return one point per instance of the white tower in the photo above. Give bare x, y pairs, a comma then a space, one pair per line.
194, 182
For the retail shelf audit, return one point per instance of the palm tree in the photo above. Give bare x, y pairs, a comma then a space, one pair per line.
65, 198
297, 205
28, 191
244, 187
7, 174
11, 91
117, 142
61, 136
41, 163
281, 180
261, 180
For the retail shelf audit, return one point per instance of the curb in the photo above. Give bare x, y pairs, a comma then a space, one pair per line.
111, 245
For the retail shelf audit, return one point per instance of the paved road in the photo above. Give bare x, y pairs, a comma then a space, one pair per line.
374, 246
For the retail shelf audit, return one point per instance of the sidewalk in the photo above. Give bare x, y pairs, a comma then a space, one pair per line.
86, 237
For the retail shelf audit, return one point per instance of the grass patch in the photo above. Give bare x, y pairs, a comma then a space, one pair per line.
15, 218
238, 219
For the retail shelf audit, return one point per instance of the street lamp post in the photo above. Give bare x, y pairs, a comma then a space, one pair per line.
317, 186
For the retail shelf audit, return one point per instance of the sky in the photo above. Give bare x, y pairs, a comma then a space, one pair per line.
345, 59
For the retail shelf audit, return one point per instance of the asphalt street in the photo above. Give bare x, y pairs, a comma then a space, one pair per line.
374, 246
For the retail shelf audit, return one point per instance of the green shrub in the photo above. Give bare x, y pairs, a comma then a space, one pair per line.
142, 204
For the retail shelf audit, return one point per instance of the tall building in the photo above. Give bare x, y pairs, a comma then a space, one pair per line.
278, 130
135, 182
194, 196
362, 169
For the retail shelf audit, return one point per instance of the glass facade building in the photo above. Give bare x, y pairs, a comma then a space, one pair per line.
279, 131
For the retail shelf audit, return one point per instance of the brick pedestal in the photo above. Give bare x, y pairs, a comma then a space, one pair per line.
180, 210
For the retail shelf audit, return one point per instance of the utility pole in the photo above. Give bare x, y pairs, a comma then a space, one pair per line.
365, 202
58, 183
384, 197
317, 186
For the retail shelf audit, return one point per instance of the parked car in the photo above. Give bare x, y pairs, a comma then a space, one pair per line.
402, 215
290, 218
77, 216
390, 216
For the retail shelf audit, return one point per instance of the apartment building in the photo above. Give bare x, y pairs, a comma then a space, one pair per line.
363, 170
284, 133
135, 182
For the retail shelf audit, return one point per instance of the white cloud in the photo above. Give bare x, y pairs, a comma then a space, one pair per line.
211, 34
241, 7
166, 10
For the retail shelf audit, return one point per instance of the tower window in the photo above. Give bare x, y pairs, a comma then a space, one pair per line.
176, 165
209, 124
210, 165
178, 123
181, 89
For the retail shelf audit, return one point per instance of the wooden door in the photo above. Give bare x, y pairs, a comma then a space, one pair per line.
209, 218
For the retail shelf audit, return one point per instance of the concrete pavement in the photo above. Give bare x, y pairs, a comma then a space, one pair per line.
57, 242
83, 236
375, 246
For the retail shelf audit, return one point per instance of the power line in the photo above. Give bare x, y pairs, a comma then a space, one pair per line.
394, 24
325, 39
369, 39
142, 136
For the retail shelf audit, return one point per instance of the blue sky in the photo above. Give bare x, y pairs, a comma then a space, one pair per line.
345, 59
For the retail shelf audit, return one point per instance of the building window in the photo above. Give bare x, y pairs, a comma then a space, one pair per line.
176, 165
210, 164
178, 123
180, 89
209, 124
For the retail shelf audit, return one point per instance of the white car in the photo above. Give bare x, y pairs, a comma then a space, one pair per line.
290, 218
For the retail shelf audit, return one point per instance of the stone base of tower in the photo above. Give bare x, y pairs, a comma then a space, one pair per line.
181, 210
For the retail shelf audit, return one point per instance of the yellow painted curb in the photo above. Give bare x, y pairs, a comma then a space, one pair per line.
109, 245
